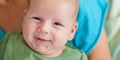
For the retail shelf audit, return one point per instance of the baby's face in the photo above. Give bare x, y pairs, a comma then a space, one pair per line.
47, 26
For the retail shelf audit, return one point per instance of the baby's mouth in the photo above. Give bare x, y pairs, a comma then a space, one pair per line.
42, 40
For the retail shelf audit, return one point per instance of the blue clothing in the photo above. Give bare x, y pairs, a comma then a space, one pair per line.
1, 33
91, 19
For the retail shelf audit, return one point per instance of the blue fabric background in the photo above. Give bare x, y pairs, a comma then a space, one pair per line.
91, 19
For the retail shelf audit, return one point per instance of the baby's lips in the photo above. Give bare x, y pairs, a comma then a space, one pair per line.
43, 39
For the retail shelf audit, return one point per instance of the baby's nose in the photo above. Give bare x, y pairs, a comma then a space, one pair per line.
44, 28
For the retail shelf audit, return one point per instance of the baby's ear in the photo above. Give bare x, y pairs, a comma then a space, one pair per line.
74, 29
25, 12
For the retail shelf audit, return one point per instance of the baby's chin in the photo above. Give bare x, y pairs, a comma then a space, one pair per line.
46, 51
41, 50
38, 47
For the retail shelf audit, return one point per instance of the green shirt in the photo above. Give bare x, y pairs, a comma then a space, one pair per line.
13, 47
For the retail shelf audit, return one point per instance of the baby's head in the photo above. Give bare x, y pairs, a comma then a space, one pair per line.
49, 24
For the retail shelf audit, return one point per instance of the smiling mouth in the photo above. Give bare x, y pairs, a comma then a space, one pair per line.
41, 40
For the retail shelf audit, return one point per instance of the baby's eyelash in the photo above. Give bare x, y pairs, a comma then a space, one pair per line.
58, 24
37, 18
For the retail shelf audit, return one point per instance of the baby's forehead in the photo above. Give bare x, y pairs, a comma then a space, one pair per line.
70, 5
73, 2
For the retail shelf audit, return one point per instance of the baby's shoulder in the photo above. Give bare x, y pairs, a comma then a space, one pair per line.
75, 52
73, 49
13, 35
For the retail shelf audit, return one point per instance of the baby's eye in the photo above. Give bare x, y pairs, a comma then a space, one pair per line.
36, 18
58, 24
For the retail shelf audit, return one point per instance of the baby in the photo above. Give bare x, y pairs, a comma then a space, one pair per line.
47, 26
